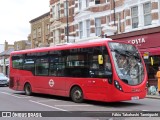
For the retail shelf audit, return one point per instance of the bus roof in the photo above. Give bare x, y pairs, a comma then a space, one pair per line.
96, 42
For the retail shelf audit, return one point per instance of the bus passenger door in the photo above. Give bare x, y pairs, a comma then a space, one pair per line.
96, 88
100, 73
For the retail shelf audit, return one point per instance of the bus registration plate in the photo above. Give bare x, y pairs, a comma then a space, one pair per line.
135, 98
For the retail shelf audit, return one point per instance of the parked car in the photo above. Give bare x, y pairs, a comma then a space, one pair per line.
4, 80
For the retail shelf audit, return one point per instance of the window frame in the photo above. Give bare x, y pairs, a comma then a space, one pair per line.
88, 28
34, 33
80, 30
98, 27
53, 12
80, 4
87, 3
97, 2
135, 16
58, 10
148, 13
66, 5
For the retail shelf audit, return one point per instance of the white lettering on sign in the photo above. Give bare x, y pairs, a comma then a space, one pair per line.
137, 41
51, 83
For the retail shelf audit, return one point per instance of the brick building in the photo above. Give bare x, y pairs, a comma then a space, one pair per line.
90, 18
58, 11
40, 31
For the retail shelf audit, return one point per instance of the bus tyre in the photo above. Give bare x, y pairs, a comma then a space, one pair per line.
77, 95
28, 90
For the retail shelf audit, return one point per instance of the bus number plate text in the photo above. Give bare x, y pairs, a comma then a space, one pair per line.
135, 98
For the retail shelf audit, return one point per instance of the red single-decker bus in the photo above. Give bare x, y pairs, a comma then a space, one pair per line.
102, 70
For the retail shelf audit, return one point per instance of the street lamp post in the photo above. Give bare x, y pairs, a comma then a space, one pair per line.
67, 20
114, 12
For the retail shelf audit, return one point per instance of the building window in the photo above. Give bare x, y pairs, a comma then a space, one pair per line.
54, 36
39, 32
107, 1
58, 35
34, 33
108, 19
80, 30
147, 14
80, 4
87, 3
98, 26
65, 30
48, 28
134, 15
119, 22
66, 8
88, 27
97, 1
53, 11
58, 10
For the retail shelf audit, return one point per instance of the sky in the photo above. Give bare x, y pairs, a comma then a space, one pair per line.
15, 16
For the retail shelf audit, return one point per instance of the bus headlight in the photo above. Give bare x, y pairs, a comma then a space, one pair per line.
117, 85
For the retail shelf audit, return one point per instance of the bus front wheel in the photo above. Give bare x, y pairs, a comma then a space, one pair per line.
77, 95
27, 89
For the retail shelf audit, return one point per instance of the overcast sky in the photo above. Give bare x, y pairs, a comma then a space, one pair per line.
15, 16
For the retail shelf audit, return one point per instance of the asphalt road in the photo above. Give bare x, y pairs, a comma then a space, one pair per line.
61, 107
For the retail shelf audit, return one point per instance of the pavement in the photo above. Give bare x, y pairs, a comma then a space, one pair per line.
152, 92
153, 96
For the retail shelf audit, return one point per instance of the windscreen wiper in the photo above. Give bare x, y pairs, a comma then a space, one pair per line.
132, 53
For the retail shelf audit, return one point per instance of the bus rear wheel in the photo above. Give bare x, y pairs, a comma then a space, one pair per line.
77, 95
27, 89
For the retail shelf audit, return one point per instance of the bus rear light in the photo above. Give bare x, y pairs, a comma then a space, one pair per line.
117, 85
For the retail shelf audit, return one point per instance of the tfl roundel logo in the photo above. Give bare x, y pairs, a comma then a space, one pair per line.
51, 83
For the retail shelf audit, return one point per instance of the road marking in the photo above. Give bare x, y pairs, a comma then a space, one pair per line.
73, 105
145, 110
47, 100
48, 105
14, 95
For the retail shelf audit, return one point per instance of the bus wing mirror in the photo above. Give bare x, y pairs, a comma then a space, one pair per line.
152, 61
100, 59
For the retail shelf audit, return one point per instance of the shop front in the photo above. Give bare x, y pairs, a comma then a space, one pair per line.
148, 42
4, 61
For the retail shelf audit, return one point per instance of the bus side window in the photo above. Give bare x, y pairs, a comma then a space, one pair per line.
17, 61
100, 65
57, 63
29, 63
42, 64
77, 63
107, 63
